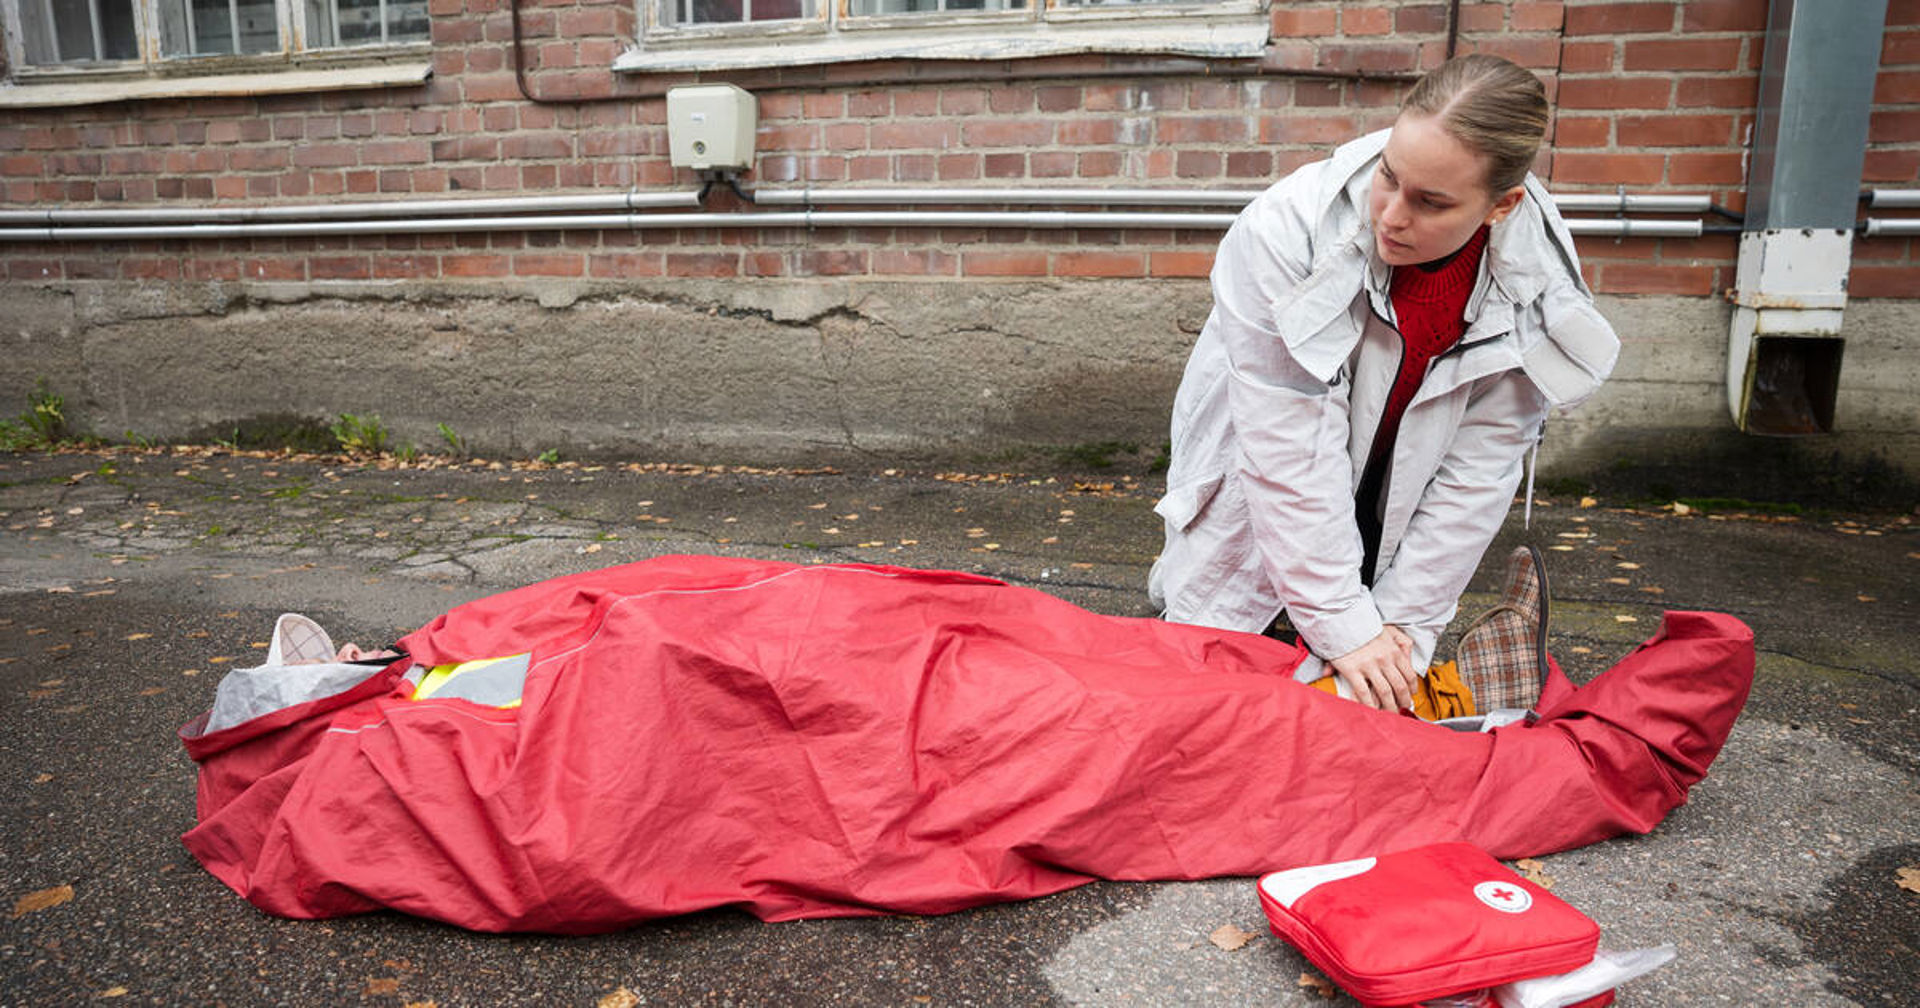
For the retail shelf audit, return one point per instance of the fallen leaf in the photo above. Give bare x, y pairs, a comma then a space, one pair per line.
621, 998
113, 992
1654, 590
219, 659
1561, 548
1680, 509
1619, 580
153, 691
1623, 618
1230, 937
1909, 878
137, 636
383, 985
197, 634
422, 1004
1535, 872
1627, 565
1587, 502
42, 778
1864, 598
41, 899
1318, 984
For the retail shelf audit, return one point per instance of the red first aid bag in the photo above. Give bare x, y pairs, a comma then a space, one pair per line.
1424, 923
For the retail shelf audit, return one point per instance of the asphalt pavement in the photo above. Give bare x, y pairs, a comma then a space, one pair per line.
130, 580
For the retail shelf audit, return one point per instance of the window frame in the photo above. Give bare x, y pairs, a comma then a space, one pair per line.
153, 64
1218, 29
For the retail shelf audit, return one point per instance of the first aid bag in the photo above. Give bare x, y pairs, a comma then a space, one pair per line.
1422, 924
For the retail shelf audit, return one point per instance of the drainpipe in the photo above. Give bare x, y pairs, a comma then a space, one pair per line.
1803, 192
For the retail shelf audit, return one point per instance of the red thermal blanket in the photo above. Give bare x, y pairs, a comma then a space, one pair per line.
822, 741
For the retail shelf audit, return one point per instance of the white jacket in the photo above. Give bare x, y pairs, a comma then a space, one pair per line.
1280, 400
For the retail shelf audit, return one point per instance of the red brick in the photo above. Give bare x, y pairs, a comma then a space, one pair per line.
1651, 278
830, 262
475, 265
1717, 92
1101, 164
1575, 167
1088, 132
617, 265
1903, 12
1010, 99
273, 269
167, 268
1897, 87
339, 267
1197, 164
1884, 281
1180, 264
1058, 99
1109, 97
1902, 126
1583, 131
1417, 18
1718, 168
957, 166
1900, 48
405, 267
1250, 164
1372, 57
921, 262
916, 103
1892, 166
1615, 93
1539, 16
823, 106
919, 133
1674, 131
1203, 95
1587, 57
361, 182
763, 264
1365, 20
1200, 129
1296, 22
1480, 18
1723, 15
1619, 18
1051, 164
1540, 51
1099, 264
1683, 54
1004, 133
702, 264
1004, 166
1307, 129
963, 101
1003, 264
330, 155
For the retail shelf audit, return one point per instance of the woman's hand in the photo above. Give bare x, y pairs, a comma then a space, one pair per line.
1380, 672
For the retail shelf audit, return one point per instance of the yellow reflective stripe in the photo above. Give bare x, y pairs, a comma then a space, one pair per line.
440, 675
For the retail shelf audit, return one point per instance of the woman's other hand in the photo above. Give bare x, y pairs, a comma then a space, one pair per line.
1380, 672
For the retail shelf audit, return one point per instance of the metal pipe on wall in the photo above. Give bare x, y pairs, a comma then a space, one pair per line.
387, 209
1030, 219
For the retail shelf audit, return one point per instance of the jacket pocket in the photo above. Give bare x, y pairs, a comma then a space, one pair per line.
1182, 504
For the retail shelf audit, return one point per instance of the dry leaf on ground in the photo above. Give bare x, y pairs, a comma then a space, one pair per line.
1318, 984
41, 899
1231, 937
621, 998
383, 985
1909, 878
1535, 872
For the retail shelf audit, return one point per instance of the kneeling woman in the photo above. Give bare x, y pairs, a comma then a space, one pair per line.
1390, 327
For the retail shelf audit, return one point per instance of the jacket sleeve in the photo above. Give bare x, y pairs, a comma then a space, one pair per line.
1461, 509
1290, 429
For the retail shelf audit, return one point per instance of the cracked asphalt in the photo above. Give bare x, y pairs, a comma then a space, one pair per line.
129, 580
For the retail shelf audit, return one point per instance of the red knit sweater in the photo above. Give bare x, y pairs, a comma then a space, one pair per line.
1430, 303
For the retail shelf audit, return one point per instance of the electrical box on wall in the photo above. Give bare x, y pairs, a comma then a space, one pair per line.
710, 127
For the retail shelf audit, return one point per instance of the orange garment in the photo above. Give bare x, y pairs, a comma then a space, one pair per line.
1441, 693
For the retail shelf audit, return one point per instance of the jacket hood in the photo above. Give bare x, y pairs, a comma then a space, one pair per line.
1530, 255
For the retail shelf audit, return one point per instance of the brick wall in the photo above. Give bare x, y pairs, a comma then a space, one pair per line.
1654, 95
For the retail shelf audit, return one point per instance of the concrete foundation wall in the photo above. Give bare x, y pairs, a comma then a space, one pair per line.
782, 371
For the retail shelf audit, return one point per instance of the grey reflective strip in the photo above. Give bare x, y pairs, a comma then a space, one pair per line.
494, 685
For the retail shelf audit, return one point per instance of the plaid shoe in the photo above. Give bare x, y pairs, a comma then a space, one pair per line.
1503, 654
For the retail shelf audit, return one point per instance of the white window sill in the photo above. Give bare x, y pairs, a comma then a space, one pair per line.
48, 93
1237, 39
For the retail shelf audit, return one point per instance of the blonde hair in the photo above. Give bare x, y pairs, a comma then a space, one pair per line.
1492, 106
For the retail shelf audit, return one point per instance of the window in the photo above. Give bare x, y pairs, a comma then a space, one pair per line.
114, 34
743, 34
